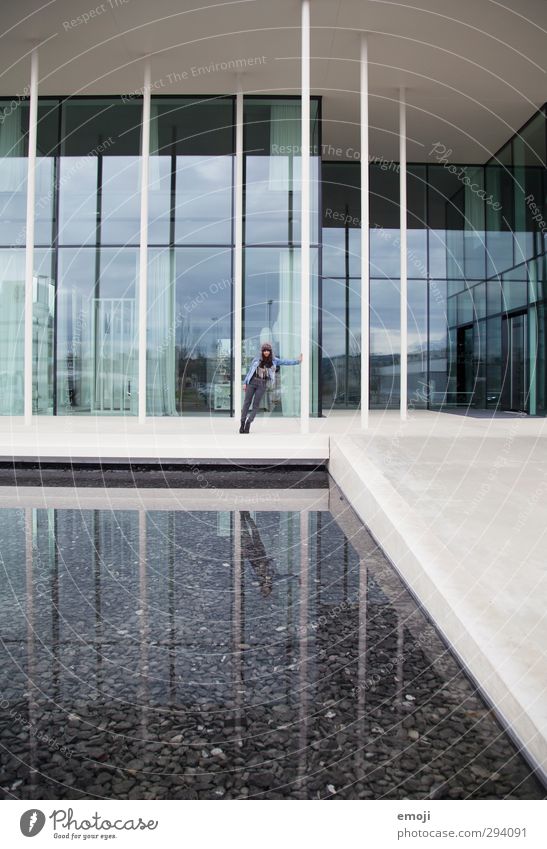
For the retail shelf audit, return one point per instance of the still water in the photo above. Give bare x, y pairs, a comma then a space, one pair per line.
226, 644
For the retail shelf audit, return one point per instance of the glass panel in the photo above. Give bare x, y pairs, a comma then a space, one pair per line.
474, 232
189, 331
445, 221
121, 200
385, 345
271, 298
499, 219
452, 309
97, 331
13, 172
438, 341
46, 150
161, 180
334, 252
529, 166
514, 288
539, 354
341, 219
479, 365
385, 257
12, 307
465, 307
99, 198
341, 344
273, 172
203, 200
493, 360
384, 223
493, 296
417, 343
479, 300
189, 126
537, 276
102, 125
43, 311
78, 209
416, 221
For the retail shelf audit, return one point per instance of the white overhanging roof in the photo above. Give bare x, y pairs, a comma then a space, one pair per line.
474, 70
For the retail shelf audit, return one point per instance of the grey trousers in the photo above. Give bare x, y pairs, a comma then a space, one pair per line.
255, 390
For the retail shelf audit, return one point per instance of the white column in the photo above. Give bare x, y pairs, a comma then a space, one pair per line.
402, 225
143, 252
305, 227
238, 256
29, 253
365, 226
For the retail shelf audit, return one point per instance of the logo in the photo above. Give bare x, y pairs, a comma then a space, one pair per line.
32, 822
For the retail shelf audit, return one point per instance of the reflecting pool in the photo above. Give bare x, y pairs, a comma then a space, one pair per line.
221, 643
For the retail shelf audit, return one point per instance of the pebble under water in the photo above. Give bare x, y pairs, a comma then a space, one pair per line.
242, 652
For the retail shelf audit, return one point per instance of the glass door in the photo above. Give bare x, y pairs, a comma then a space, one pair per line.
514, 358
464, 366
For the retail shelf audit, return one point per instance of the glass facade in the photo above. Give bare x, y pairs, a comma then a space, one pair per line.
476, 264
476, 281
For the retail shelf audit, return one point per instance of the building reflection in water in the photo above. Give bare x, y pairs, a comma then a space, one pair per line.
247, 652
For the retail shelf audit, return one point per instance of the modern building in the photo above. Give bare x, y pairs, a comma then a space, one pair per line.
361, 181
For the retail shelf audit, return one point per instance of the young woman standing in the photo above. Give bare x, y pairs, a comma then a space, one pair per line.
261, 374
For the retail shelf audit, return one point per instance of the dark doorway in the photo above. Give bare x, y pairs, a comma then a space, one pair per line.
464, 365
514, 349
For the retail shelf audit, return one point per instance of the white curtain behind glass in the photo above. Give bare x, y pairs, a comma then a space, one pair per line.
284, 136
286, 330
12, 295
13, 170
160, 377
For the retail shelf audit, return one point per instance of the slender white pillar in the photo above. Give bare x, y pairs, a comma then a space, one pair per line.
305, 319
238, 257
403, 241
29, 252
143, 252
365, 227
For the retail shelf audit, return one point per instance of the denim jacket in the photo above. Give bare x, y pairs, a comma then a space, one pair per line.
277, 361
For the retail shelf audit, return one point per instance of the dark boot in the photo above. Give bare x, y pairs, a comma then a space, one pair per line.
247, 427
242, 426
